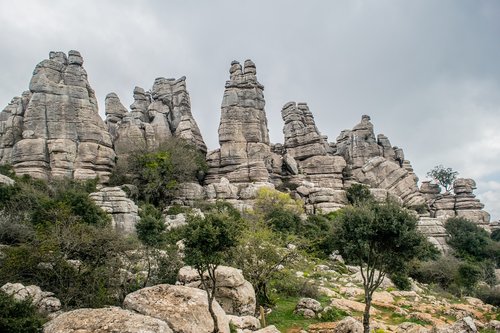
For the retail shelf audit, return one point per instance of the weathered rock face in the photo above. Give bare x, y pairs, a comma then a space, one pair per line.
462, 203
44, 301
54, 130
244, 155
124, 212
374, 162
155, 116
184, 309
235, 294
435, 231
105, 320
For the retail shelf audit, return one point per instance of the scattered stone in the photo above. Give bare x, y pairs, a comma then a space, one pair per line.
308, 307
44, 301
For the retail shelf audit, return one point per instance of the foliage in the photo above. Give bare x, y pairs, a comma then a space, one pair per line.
490, 295
401, 280
495, 235
286, 283
318, 231
19, 316
381, 239
471, 242
260, 257
158, 172
444, 177
269, 200
358, 194
150, 229
333, 314
209, 241
284, 318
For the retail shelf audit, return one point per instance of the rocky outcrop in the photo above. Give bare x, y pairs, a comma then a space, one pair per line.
184, 309
54, 129
124, 212
373, 161
244, 155
105, 320
435, 231
461, 203
235, 294
44, 301
155, 116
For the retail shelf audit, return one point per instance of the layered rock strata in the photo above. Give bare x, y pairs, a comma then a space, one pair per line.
373, 161
155, 116
54, 129
124, 212
244, 155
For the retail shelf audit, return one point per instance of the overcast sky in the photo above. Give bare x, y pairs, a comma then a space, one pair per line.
427, 72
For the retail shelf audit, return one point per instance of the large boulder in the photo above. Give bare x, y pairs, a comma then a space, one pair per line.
105, 320
184, 309
55, 130
235, 294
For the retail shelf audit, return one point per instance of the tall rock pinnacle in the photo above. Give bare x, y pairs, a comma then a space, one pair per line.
244, 154
54, 130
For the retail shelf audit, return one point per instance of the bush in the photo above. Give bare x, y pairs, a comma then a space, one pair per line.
151, 227
286, 283
358, 193
490, 295
19, 316
333, 314
401, 281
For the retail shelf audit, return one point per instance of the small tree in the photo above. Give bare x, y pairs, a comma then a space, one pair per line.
208, 243
444, 177
381, 239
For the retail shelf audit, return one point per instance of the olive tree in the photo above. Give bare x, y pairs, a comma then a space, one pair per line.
209, 241
444, 177
381, 239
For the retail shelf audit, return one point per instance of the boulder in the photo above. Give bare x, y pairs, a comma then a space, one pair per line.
44, 301
464, 325
245, 322
308, 307
184, 309
105, 320
235, 294
268, 329
348, 325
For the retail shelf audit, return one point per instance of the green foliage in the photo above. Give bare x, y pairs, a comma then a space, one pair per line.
19, 316
358, 194
318, 231
468, 275
333, 314
286, 283
284, 318
7, 170
490, 295
283, 221
470, 241
443, 176
495, 235
150, 229
269, 200
401, 281
158, 172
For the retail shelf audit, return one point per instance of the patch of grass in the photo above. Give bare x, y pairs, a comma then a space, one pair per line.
283, 317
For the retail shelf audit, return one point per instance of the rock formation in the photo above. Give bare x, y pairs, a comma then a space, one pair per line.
244, 155
54, 129
44, 301
372, 161
184, 309
155, 116
124, 212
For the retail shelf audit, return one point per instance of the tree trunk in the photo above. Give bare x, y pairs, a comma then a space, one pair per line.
366, 314
212, 313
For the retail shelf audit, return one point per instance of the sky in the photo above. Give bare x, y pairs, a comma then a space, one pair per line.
427, 72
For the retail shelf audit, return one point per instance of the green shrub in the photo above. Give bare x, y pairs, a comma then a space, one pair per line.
151, 227
401, 281
285, 283
19, 316
333, 314
358, 193
490, 295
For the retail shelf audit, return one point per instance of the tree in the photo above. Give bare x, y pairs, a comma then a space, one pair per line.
444, 177
381, 239
208, 243
358, 193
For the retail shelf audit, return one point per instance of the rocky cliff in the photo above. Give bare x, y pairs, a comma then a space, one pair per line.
54, 129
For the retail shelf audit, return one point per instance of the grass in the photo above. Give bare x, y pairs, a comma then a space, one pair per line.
283, 317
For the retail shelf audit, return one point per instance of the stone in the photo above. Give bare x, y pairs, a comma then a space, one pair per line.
464, 325
124, 212
308, 307
408, 327
105, 320
184, 309
44, 301
234, 294
6, 180
434, 230
268, 329
348, 325
244, 155
245, 322
54, 130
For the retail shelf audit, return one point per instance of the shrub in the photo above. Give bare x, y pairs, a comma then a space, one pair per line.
495, 235
286, 283
19, 316
401, 281
333, 314
151, 227
490, 295
358, 193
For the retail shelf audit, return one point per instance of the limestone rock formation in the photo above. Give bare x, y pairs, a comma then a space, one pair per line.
105, 320
244, 155
124, 212
235, 294
54, 130
373, 161
155, 116
462, 203
44, 301
435, 231
184, 309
